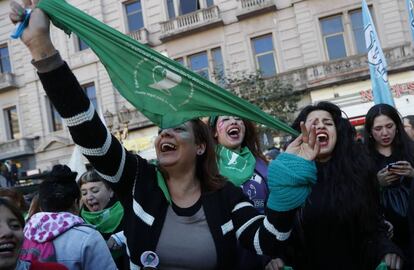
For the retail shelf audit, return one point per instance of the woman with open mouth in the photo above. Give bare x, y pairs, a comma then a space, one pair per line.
339, 225
101, 209
179, 213
242, 163
11, 240
393, 154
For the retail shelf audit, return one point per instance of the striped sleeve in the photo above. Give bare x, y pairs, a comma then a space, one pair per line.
104, 152
263, 234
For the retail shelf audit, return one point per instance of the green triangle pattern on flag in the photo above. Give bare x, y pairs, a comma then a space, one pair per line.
163, 90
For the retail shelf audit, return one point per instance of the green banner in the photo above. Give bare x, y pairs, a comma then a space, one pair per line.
162, 89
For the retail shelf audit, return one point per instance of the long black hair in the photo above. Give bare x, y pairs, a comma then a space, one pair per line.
402, 145
349, 186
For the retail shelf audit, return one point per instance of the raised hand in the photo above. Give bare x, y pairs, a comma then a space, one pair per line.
36, 36
306, 145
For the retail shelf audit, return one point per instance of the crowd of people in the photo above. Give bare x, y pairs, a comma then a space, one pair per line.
212, 199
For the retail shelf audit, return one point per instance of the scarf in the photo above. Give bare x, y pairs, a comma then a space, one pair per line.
41, 230
106, 220
46, 226
237, 167
163, 90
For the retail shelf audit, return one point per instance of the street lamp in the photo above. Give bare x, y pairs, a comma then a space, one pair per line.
118, 123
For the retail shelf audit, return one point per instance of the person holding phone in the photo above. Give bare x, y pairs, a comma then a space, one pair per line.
393, 154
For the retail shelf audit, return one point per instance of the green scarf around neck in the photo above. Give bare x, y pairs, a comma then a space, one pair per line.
106, 220
237, 167
163, 186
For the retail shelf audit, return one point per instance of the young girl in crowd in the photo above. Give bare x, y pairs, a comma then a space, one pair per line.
393, 154
11, 239
179, 214
101, 209
339, 226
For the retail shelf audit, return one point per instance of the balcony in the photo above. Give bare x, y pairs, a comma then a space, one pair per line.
250, 8
16, 148
188, 23
7, 81
140, 35
353, 68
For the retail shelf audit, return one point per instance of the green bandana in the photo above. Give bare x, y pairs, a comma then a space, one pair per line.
107, 220
163, 186
165, 91
237, 167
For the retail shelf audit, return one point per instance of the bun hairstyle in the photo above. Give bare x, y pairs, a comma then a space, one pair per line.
58, 192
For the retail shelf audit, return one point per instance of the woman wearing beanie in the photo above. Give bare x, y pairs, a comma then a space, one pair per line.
338, 226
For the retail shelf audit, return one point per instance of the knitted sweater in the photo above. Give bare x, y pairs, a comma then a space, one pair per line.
230, 215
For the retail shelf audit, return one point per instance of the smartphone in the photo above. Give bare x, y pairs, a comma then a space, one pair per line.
392, 165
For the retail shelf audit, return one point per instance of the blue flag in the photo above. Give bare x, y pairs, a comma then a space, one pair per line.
376, 60
410, 7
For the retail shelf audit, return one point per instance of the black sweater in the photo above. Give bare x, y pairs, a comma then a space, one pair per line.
230, 215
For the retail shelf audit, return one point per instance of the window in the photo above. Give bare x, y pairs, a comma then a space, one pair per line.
218, 65
55, 119
90, 91
5, 66
264, 54
180, 60
333, 34
199, 64
12, 123
134, 15
358, 30
209, 64
188, 6
170, 8
343, 39
209, 3
182, 7
81, 44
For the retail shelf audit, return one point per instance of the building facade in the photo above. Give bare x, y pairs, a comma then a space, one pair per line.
316, 45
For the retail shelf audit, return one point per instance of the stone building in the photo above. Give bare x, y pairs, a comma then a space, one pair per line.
316, 45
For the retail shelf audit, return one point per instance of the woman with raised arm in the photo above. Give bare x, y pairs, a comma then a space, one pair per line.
393, 154
339, 226
180, 213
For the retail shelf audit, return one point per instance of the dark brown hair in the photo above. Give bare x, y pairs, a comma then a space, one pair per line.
15, 197
15, 211
207, 171
250, 140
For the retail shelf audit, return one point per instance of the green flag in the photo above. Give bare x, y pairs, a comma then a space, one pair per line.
162, 89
